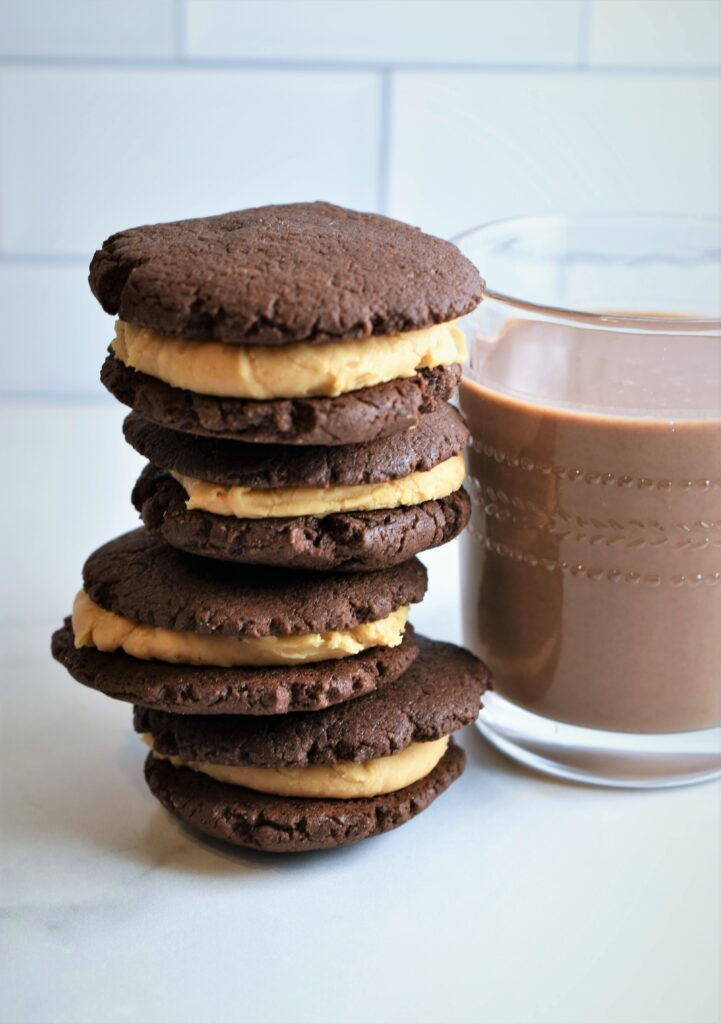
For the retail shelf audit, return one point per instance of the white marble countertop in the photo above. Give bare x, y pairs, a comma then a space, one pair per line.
513, 899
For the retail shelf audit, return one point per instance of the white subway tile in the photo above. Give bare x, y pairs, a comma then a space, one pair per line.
84, 153
457, 31
87, 28
663, 33
55, 333
472, 147
71, 475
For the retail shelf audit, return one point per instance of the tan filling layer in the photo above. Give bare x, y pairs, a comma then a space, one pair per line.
249, 503
93, 626
285, 371
343, 780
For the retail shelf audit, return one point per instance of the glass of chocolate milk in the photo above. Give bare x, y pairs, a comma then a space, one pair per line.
592, 566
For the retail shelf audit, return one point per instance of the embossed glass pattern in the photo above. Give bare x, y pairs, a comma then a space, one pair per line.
592, 565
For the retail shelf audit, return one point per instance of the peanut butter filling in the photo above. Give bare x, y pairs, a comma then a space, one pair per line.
343, 780
93, 626
297, 370
248, 503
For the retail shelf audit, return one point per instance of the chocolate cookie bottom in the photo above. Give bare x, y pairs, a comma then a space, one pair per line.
276, 824
348, 541
206, 690
348, 419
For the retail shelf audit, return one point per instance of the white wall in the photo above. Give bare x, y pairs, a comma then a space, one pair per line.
445, 113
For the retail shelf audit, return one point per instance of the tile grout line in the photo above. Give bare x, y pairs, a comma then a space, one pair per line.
384, 141
7, 396
179, 30
2, 219
584, 35
345, 67
56, 259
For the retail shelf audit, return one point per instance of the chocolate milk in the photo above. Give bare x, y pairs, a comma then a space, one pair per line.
592, 565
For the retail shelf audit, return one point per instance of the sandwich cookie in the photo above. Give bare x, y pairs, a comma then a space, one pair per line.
313, 781
349, 507
297, 324
163, 628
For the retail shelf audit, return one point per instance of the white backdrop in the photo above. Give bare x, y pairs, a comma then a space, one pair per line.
442, 112
516, 898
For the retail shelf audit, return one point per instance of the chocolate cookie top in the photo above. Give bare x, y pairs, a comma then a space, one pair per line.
438, 437
207, 690
143, 579
276, 274
278, 824
439, 693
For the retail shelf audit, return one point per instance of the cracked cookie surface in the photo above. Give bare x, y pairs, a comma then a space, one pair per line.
439, 436
439, 693
141, 578
272, 275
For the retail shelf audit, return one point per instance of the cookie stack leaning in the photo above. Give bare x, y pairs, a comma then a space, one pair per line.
288, 369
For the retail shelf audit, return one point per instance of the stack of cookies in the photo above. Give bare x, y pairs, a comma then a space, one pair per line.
288, 369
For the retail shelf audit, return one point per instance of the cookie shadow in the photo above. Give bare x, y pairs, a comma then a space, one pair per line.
485, 785
199, 854
112, 811
168, 843
172, 844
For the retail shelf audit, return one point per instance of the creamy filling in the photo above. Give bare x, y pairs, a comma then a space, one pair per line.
343, 780
93, 626
250, 503
298, 370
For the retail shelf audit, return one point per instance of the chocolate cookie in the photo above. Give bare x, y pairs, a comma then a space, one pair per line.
439, 436
352, 418
141, 578
438, 694
277, 824
352, 541
345, 541
208, 690
309, 272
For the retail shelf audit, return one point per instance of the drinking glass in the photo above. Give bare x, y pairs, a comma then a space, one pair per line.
591, 570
